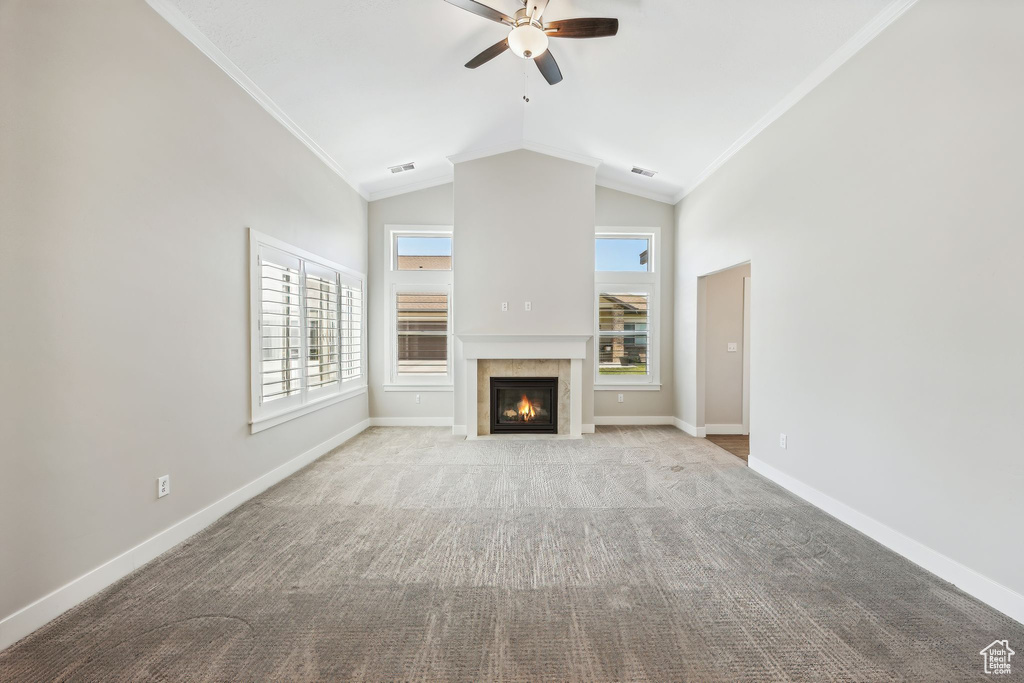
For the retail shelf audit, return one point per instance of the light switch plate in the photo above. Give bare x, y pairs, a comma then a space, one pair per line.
732, 347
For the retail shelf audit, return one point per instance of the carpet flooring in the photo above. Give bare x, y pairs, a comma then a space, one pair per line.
635, 554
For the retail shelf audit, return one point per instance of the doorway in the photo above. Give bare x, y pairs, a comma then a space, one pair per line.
723, 358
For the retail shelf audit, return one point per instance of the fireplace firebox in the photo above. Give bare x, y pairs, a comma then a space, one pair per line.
524, 405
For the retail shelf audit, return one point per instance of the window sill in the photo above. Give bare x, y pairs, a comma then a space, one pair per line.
647, 386
419, 387
258, 425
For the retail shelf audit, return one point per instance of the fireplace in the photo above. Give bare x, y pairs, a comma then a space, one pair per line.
524, 405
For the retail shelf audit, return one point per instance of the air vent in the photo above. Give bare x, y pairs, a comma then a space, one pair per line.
644, 172
401, 168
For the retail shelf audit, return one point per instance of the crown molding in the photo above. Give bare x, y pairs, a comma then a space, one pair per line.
882, 20
425, 184
173, 16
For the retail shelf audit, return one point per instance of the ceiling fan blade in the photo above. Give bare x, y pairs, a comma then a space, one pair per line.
549, 68
582, 28
483, 11
488, 54
536, 8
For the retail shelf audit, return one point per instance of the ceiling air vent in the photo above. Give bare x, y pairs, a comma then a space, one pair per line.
402, 167
644, 172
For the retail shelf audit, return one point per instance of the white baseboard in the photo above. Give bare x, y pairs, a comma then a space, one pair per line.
634, 420
689, 428
586, 428
410, 422
26, 620
724, 429
458, 430
993, 594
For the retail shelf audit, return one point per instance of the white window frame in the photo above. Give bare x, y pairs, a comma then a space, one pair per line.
631, 282
274, 413
419, 282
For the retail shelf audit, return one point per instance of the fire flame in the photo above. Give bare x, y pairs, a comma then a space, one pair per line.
526, 410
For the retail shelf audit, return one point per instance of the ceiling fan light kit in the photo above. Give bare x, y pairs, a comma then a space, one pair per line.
528, 37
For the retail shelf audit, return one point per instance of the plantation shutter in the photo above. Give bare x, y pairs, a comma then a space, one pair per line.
351, 327
623, 327
280, 328
421, 333
322, 329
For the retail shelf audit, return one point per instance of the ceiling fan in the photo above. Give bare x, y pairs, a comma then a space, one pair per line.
529, 35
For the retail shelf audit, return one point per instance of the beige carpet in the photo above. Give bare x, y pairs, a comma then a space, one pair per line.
635, 554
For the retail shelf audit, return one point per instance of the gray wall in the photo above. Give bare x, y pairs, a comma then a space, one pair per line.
524, 231
433, 206
882, 218
723, 390
130, 167
620, 209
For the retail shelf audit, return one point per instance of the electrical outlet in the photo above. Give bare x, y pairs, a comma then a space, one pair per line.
732, 347
163, 486
529, 306
782, 441
622, 398
417, 398
504, 306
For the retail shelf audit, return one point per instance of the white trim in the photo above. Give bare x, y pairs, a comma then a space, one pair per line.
723, 429
173, 16
851, 47
26, 620
746, 355
419, 387
458, 430
656, 386
258, 425
425, 184
993, 594
587, 428
634, 420
410, 422
663, 197
690, 429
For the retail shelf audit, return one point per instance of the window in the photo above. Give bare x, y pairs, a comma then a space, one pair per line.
626, 293
623, 253
308, 331
622, 323
419, 280
422, 333
430, 252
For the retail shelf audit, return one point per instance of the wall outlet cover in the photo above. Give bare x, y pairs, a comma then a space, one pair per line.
782, 440
504, 306
733, 347
622, 398
163, 486
529, 305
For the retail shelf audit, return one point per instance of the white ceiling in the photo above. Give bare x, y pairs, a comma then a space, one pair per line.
377, 83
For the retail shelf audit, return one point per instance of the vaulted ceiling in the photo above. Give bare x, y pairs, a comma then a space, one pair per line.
377, 83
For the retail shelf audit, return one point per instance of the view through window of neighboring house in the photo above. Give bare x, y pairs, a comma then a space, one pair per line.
423, 253
622, 254
623, 323
422, 333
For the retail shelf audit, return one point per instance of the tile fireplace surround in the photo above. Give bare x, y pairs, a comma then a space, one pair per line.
513, 355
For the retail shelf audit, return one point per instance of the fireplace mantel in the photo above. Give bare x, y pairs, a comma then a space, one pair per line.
571, 347
513, 346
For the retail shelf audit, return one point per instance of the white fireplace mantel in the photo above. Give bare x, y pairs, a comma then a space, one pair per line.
541, 346
525, 346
